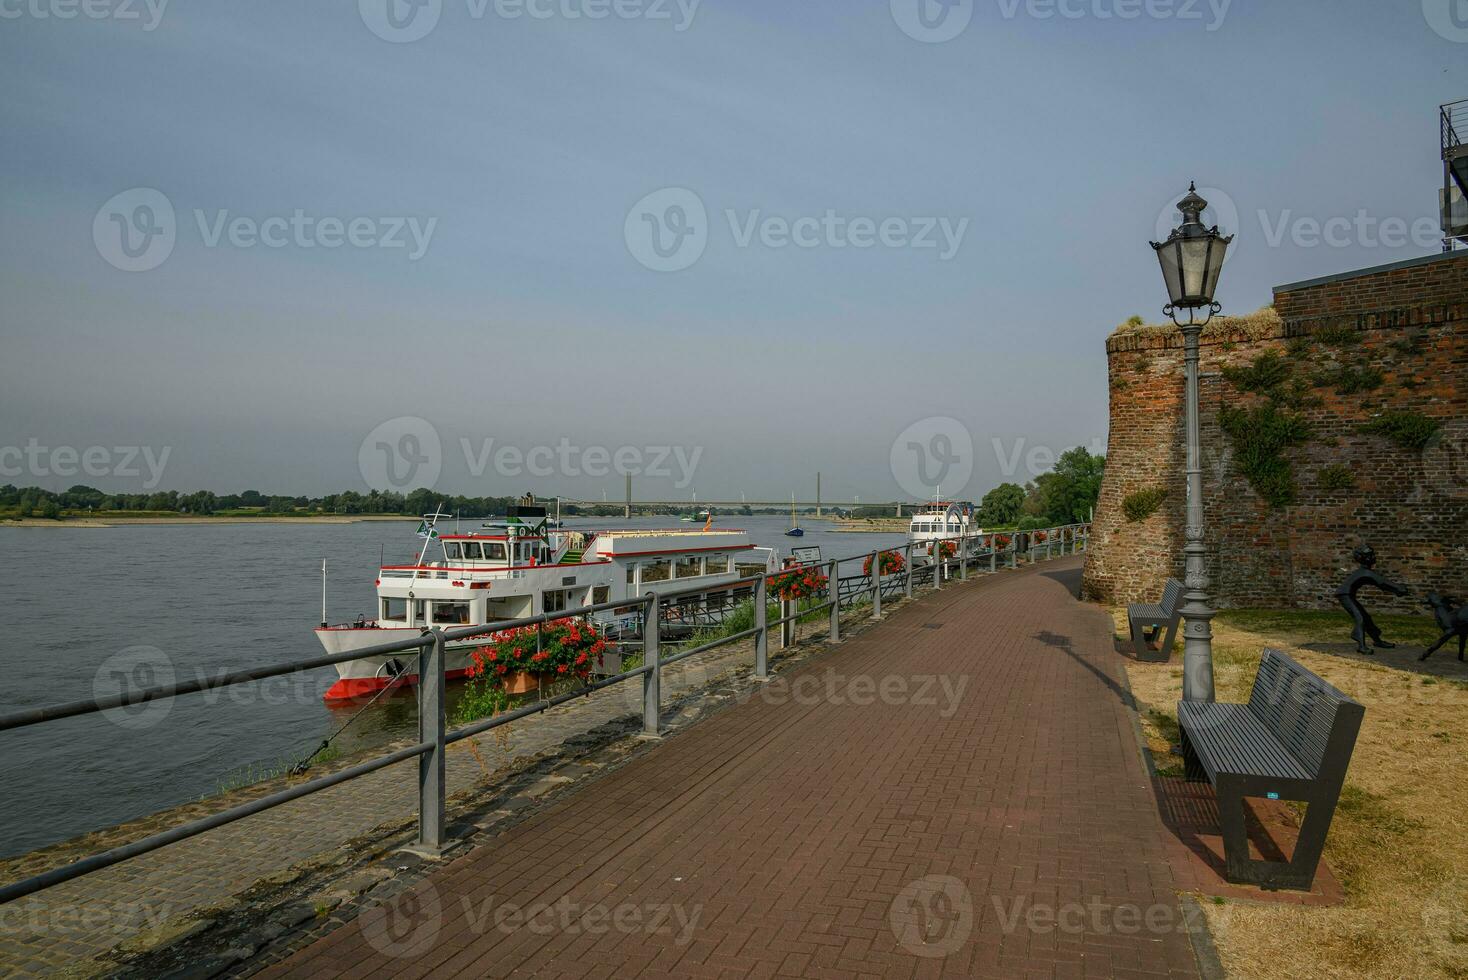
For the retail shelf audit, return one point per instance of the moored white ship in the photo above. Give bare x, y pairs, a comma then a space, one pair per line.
515, 570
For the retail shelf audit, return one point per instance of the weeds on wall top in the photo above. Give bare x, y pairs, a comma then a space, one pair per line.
1408, 429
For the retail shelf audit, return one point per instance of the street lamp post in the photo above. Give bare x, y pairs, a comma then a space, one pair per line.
1192, 259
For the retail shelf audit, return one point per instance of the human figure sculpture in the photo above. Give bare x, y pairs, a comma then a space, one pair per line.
1365, 575
1454, 623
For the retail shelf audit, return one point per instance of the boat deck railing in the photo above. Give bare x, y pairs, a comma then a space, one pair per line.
841, 592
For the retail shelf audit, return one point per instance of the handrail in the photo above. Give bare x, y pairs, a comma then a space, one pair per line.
429, 647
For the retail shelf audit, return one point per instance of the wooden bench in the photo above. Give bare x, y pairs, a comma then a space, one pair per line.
1292, 741
1147, 621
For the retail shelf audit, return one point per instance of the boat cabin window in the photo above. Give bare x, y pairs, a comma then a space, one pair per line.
718, 565
601, 594
657, 571
395, 609
451, 613
689, 567
494, 551
631, 574
471, 551
451, 550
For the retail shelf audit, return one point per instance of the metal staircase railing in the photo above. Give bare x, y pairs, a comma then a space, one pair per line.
1454, 125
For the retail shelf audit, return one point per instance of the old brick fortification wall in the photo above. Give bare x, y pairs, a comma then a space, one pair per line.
1406, 321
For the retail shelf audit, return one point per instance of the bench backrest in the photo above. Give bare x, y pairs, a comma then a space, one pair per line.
1172, 596
1303, 711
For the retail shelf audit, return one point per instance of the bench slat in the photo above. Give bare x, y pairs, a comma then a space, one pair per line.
1231, 739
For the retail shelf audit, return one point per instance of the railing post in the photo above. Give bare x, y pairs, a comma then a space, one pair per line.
431, 731
963, 557
762, 638
907, 564
833, 592
787, 628
937, 564
876, 585
652, 680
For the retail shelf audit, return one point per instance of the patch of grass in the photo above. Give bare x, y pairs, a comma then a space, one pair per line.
1396, 843
1263, 377
1298, 347
1143, 504
1337, 336
1335, 478
1408, 429
1350, 379
1260, 436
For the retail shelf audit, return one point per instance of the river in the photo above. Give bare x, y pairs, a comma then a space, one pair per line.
199, 599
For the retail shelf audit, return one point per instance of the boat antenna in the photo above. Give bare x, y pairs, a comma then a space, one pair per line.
323, 593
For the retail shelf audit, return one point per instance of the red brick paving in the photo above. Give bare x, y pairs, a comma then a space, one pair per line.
790, 825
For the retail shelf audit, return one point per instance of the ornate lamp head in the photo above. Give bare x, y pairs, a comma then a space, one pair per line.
1192, 261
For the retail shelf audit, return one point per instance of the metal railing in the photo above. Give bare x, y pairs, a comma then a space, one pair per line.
1454, 125
428, 650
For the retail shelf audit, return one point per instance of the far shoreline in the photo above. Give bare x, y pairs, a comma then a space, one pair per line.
204, 519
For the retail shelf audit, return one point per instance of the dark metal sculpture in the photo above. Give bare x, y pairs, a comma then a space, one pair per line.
1454, 622
1365, 575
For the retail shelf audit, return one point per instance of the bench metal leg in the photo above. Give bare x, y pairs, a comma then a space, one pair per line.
1298, 873
1171, 638
1192, 769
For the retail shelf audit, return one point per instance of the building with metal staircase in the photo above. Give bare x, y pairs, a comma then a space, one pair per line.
1454, 201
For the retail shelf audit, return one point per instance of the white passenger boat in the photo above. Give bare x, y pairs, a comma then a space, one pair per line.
523, 567
944, 519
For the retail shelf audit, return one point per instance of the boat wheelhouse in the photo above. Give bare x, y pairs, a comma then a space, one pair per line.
943, 519
512, 570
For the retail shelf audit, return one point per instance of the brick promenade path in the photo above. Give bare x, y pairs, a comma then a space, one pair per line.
858, 818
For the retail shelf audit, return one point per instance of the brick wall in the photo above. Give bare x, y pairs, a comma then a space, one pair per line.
1411, 506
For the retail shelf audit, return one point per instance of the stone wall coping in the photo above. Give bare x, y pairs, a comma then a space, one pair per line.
1374, 270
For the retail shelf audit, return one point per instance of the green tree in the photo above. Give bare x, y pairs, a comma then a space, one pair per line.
1001, 506
1068, 493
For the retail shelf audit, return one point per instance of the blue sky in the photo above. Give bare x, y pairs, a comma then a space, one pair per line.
1053, 137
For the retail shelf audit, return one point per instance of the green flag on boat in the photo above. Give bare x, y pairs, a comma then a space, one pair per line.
424, 531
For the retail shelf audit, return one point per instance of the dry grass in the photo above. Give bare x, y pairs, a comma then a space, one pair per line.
1259, 325
1399, 843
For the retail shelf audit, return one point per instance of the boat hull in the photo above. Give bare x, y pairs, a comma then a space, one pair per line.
368, 675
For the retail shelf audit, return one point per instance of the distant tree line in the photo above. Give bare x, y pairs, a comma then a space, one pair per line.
1066, 495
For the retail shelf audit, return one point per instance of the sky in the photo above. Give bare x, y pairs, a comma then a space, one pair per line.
492, 246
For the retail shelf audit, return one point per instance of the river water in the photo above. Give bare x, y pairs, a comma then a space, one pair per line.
90, 605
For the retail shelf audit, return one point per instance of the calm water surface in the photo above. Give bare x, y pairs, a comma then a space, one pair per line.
199, 600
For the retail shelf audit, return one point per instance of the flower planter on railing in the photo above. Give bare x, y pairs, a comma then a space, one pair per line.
796, 584
889, 562
948, 548
517, 662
